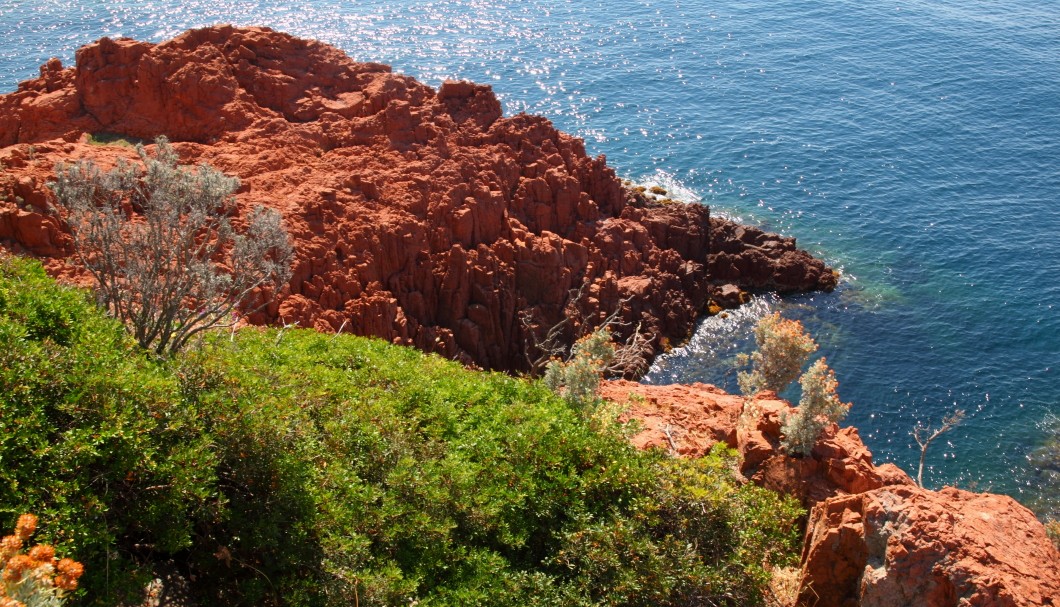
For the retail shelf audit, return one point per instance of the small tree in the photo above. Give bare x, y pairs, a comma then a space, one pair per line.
818, 407
578, 378
783, 348
158, 240
923, 434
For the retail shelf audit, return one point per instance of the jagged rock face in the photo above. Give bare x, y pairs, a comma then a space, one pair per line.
906, 546
423, 217
873, 538
689, 420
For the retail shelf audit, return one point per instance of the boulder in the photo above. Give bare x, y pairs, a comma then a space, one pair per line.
904, 546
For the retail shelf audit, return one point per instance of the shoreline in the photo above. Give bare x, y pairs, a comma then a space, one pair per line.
420, 216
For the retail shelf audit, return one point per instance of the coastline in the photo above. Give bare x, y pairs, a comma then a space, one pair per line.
424, 217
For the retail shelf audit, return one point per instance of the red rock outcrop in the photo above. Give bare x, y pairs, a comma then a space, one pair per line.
905, 546
689, 420
873, 538
420, 216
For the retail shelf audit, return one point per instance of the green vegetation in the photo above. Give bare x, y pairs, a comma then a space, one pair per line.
578, 377
118, 139
160, 244
783, 349
297, 468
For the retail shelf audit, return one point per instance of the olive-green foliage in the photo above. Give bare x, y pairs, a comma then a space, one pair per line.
107, 138
578, 377
298, 468
818, 407
783, 349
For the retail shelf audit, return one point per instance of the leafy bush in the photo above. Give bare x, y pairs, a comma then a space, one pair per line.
93, 436
783, 349
166, 258
818, 407
298, 469
578, 377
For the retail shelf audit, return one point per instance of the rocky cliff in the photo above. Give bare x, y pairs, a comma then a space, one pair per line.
421, 216
427, 218
873, 538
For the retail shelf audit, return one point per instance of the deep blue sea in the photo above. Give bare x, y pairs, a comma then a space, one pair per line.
913, 144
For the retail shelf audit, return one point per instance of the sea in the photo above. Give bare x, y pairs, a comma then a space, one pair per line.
913, 144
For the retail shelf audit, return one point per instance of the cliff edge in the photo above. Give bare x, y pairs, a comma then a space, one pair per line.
420, 216
873, 538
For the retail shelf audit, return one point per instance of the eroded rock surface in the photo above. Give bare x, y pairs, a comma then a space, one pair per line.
421, 216
906, 546
690, 419
873, 538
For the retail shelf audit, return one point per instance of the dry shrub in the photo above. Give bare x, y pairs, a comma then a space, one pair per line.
167, 260
783, 348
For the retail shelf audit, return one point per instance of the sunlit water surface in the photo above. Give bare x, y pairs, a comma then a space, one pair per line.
913, 144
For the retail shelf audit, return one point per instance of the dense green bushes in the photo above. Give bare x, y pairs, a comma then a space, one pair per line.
305, 469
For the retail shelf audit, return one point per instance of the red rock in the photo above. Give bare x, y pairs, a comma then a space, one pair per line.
873, 538
423, 217
759, 260
698, 416
906, 546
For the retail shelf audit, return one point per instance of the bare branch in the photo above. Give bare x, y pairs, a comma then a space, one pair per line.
923, 435
631, 354
668, 432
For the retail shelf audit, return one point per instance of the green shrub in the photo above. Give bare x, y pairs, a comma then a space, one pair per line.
92, 435
306, 469
578, 377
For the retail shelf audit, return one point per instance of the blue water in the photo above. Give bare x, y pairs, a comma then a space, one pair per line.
914, 144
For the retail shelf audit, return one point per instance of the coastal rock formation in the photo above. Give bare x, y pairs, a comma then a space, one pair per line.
421, 216
690, 419
900, 546
873, 538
